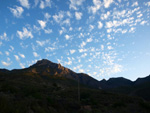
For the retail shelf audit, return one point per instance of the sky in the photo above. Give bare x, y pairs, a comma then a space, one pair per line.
103, 38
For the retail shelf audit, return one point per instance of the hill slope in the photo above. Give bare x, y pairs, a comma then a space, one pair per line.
45, 68
22, 93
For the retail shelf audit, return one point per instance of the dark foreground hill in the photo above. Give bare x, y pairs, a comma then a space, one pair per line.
140, 87
34, 91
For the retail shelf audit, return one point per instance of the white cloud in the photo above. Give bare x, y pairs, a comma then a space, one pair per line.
67, 37
100, 25
83, 44
81, 70
89, 40
91, 27
148, 3
58, 17
117, 68
96, 7
21, 65
48, 31
62, 30
84, 55
78, 15
67, 22
48, 49
75, 3
17, 57
44, 4
132, 30
42, 43
7, 53
143, 22
42, 23
4, 36
72, 51
105, 16
47, 16
22, 55
135, 4
6, 63
17, 11
24, 34
102, 47
107, 3
35, 54
82, 50
109, 47
25, 3
109, 24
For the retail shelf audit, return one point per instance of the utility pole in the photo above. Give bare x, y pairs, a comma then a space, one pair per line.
78, 90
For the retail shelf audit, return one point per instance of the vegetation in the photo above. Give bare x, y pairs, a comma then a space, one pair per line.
21, 93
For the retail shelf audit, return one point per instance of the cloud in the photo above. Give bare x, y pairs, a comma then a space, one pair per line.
62, 30
47, 16
24, 34
100, 25
48, 31
135, 4
22, 55
58, 17
42, 23
17, 11
67, 22
105, 16
67, 37
82, 50
109, 47
4, 36
35, 54
143, 22
17, 57
42, 43
89, 40
44, 4
25, 3
48, 49
132, 30
6, 63
75, 3
21, 65
107, 3
91, 27
78, 15
72, 51
7, 53
83, 44
96, 7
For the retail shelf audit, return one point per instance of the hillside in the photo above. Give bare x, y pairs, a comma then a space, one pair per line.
37, 90
139, 87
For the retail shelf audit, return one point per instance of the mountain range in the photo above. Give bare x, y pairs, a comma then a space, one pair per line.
49, 87
45, 67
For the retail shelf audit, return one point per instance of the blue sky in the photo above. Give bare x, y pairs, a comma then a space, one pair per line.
103, 38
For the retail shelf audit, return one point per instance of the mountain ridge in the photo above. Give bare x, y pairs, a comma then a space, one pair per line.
46, 67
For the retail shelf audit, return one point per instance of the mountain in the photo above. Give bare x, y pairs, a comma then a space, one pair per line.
47, 87
45, 68
115, 82
142, 80
139, 87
